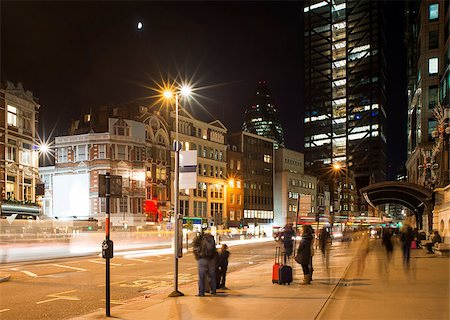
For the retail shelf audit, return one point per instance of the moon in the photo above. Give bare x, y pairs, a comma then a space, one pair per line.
140, 25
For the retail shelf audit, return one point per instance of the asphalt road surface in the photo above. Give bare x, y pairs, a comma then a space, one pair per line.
64, 288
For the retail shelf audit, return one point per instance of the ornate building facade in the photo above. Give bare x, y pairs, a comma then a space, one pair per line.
18, 151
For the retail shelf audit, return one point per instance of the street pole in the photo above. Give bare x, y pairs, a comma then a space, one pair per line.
177, 147
107, 226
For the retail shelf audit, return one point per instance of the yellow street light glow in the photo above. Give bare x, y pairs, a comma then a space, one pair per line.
167, 94
336, 166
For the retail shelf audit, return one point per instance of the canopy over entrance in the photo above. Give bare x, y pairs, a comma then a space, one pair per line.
416, 198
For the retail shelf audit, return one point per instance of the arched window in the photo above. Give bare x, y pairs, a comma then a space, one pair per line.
441, 227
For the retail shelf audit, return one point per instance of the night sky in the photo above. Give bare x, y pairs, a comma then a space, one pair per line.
76, 55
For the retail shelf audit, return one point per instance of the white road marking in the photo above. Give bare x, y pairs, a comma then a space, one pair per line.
31, 274
58, 296
104, 262
74, 268
135, 259
3, 310
192, 268
15, 269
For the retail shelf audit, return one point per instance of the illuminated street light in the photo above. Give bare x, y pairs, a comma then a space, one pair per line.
168, 94
44, 148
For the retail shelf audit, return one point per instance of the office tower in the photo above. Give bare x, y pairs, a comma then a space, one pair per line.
345, 88
261, 116
427, 33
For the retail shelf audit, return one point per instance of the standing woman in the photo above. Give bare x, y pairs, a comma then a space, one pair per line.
304, 253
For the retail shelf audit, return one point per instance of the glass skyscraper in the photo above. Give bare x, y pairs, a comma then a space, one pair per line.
261, 116
345, 117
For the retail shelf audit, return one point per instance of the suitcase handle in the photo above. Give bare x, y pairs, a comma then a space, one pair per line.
277, 255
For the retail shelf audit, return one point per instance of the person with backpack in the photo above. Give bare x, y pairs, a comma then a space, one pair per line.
205, 253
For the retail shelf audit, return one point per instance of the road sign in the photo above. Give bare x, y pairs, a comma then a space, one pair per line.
188, 169
115, 185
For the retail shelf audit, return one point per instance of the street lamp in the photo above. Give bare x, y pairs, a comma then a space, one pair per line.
338, 168
184, 91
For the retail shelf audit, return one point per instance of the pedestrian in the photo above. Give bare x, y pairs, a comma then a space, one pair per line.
287, 237
406, 238
387, 243
205, 253
325, 244
304, 253
222, 266
436, 239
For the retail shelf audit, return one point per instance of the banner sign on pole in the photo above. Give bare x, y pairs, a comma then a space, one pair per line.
188, 169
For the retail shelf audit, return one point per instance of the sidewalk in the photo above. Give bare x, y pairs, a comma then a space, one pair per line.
251, 295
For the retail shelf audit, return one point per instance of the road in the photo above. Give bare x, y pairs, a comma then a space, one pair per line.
64, 288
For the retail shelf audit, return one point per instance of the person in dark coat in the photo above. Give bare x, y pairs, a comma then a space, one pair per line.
387, 243
406, 237
304, 253
222, 266
287, 237
204, 247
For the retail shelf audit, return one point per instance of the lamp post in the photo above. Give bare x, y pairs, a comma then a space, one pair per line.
184, 91
337, 168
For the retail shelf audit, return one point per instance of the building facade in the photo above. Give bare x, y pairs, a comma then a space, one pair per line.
19, 158
208, 200
295, 193
235, 187
258, 156
345, 117
72, 187
261, 116
428, 84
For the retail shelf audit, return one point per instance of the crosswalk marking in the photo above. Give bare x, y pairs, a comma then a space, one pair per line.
31, 274
68, 267
3, 310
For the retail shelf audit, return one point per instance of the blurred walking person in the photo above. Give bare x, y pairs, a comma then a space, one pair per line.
325, 245
406, 237
304, 253
387, 243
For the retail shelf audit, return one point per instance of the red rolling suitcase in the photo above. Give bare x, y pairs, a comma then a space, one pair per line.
276, 265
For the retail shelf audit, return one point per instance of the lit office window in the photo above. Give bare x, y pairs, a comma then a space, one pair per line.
433, 11
433, 64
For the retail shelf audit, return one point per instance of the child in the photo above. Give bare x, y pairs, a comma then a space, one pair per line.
222, 265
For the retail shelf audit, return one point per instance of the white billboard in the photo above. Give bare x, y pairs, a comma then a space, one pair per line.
71, 195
